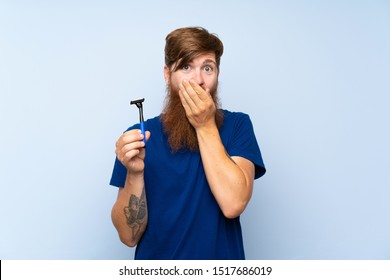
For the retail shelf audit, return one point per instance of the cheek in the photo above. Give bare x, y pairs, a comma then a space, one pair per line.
177, 79
174, 82
212, 83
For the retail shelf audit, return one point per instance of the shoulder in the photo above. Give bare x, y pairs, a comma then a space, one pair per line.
235, 125
153, 121
234, 118
234, 115
154, 124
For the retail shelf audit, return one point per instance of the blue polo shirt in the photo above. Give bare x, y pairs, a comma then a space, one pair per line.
184, 219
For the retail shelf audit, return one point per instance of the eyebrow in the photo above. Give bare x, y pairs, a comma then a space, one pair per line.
209, 61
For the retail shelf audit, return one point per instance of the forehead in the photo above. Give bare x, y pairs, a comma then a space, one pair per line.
203, 57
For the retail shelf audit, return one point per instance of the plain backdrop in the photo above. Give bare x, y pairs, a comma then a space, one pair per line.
313, 75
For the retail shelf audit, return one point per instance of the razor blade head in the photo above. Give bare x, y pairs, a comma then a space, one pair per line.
136, 102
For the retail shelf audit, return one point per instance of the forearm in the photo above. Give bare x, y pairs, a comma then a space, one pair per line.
231, 187
129, 213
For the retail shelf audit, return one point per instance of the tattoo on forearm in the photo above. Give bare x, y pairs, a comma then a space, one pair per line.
136, 212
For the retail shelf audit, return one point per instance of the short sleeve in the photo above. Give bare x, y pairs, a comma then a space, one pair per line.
243, 142
119, 173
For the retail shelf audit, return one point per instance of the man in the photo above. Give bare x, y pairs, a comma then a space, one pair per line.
181, 194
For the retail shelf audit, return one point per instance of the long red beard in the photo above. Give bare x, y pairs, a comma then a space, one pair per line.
181, 134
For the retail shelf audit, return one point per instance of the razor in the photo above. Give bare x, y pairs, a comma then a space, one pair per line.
138, 103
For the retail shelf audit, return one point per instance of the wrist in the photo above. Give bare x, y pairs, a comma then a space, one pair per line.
210, 129
136, 176
134, 179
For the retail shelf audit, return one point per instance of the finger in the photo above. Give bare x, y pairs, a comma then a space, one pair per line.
147, 135
129, 140
129, 137
202, 93
192, 93
132, 132
127, 157
121, 151
132, 140
186, 100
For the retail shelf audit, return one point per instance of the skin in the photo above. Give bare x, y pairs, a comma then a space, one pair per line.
230, 178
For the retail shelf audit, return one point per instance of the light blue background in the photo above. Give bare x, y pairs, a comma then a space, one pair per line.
313, 75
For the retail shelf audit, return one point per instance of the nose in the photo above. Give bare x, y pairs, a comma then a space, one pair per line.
198, 77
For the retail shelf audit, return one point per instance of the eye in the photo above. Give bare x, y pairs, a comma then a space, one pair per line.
186, 67
208, 68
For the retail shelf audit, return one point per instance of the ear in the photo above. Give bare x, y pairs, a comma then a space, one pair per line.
167, 74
